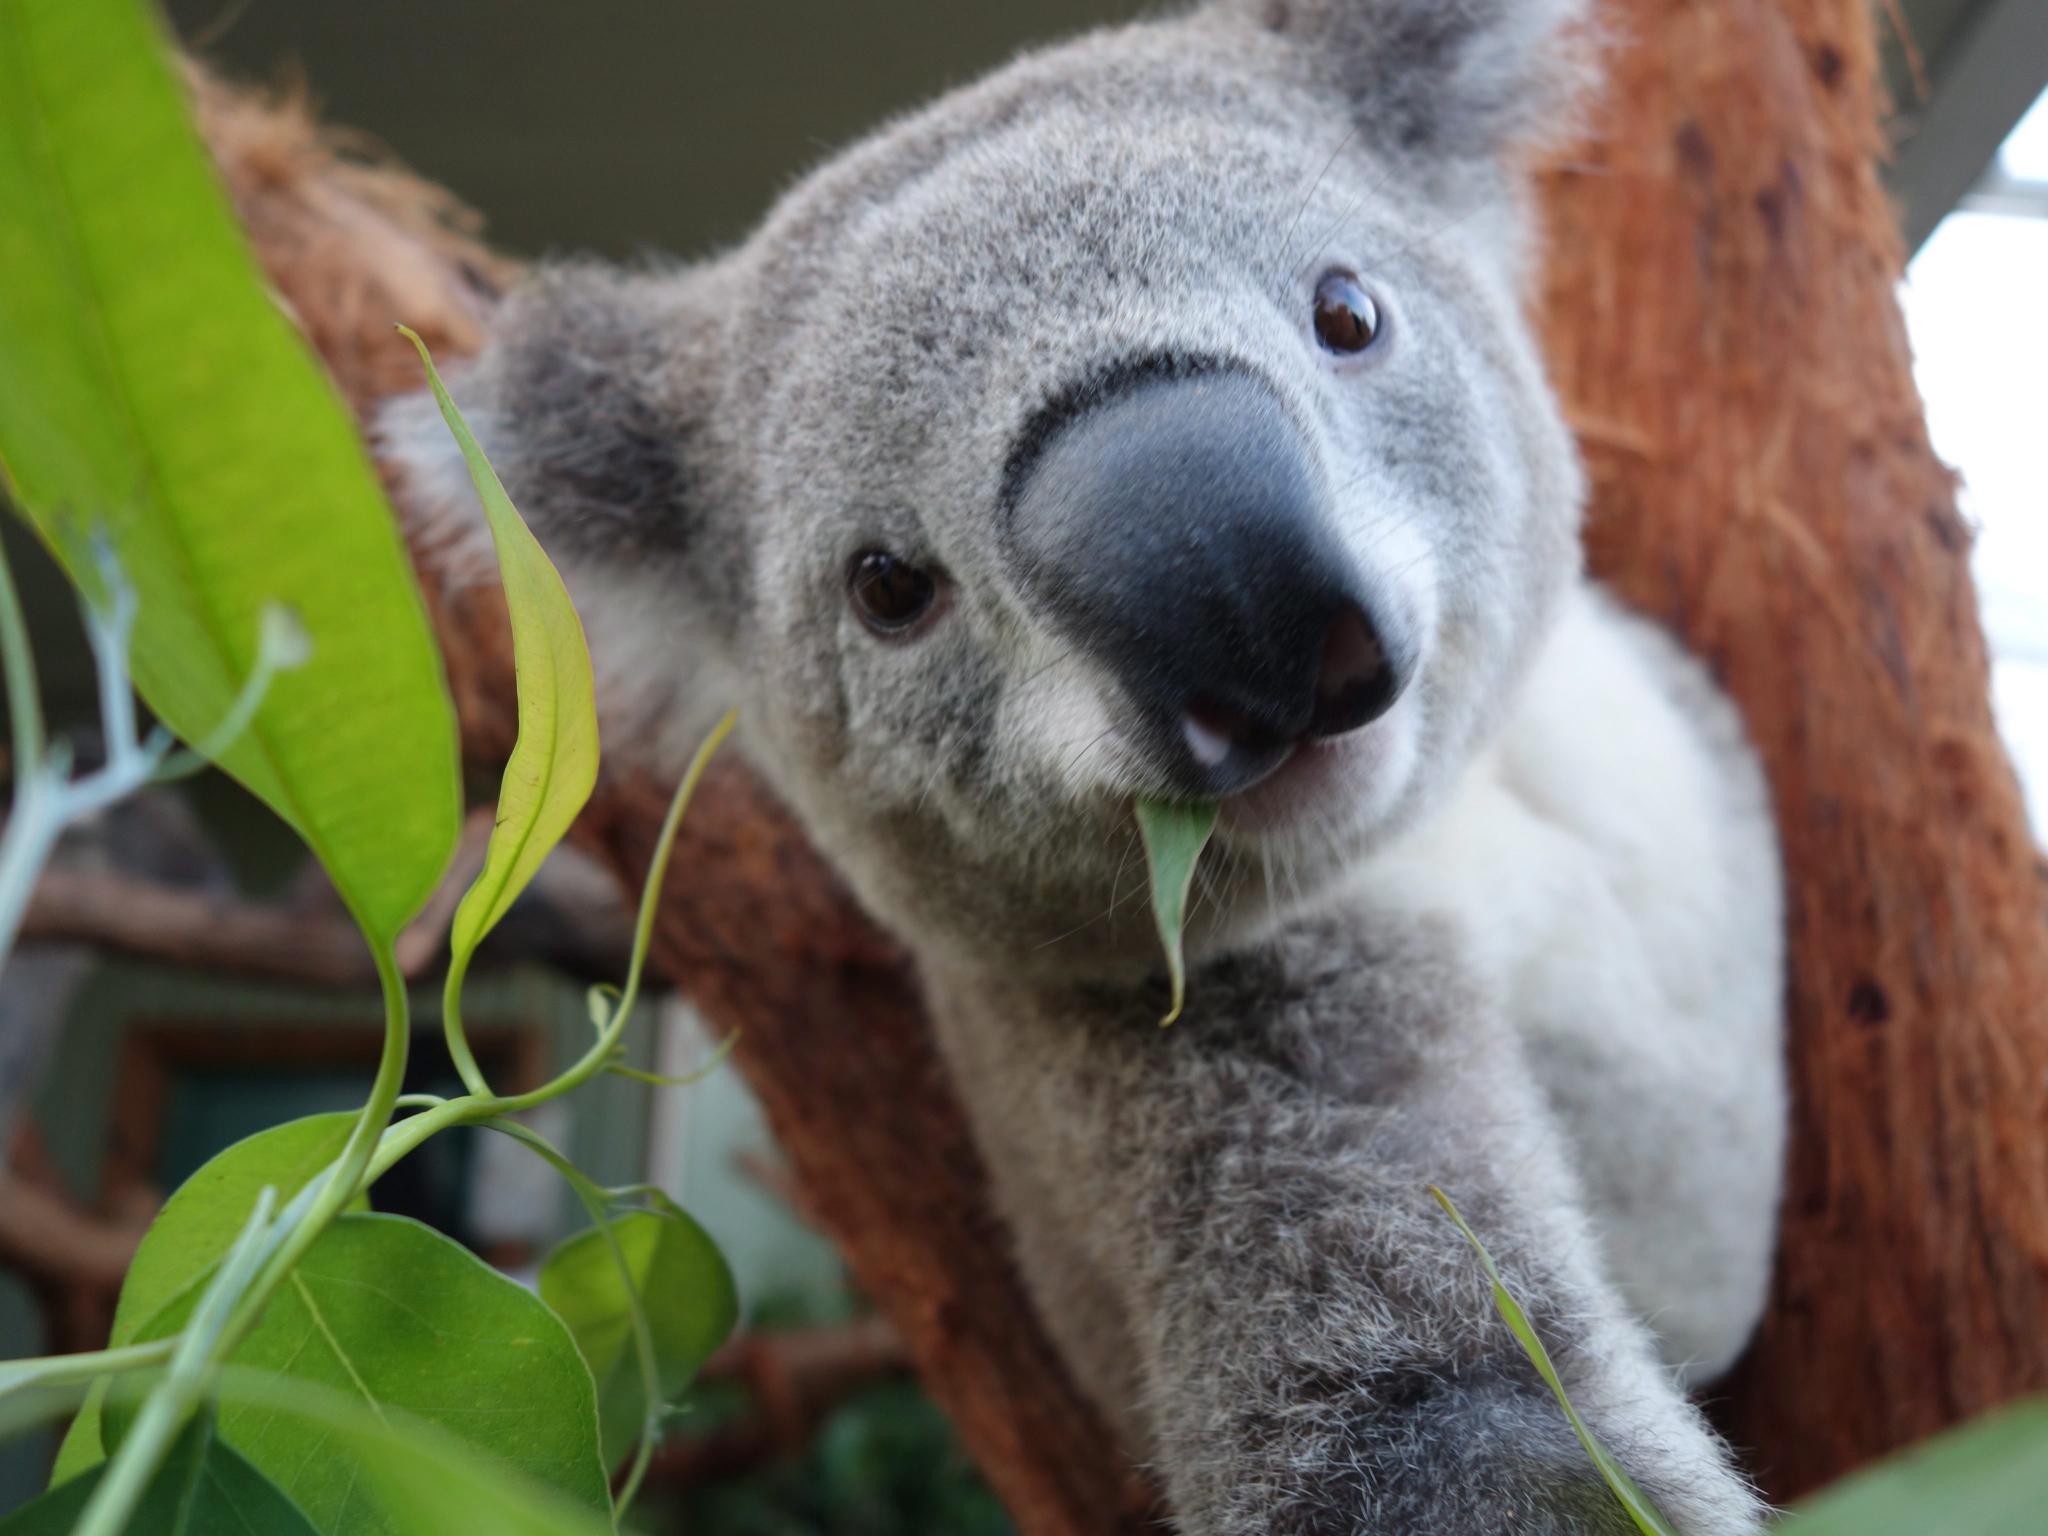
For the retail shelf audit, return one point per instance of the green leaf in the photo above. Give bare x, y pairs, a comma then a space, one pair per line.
397, 1317
1988, 1478
152, 388
425, 1482
1175, 835
679, 1274
1649, 1520
193, 1230
554, 762
204, 1488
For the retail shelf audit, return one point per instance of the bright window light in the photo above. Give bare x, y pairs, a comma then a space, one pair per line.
1976, 302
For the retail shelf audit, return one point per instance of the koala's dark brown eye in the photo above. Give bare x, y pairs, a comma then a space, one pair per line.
1347, 319
889, 594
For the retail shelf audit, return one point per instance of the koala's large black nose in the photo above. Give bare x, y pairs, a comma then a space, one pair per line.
1177, 530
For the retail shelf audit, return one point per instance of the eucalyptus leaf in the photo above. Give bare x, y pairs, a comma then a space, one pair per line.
1175, 834
203, 1216
554, 762
423, 1481
153, 393
203, 1488
680, 1278
1987, 1478
1648, 1518
396, 1317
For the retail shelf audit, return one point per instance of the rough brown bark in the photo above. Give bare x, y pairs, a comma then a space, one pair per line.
1719, 312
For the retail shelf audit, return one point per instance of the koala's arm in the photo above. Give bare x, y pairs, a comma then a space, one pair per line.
1315, 1347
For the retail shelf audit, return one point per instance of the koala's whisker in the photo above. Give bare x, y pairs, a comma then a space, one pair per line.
1297, 268
1103, 916
1313, 187
1116, 880
1479, 205
1378, 184
1067, 768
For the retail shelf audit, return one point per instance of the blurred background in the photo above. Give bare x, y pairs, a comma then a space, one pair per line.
619, 128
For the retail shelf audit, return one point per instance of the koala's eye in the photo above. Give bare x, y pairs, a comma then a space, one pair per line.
1347, 319
889, 594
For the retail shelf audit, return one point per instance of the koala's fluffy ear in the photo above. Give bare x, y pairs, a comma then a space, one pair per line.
1459, 80
592, 398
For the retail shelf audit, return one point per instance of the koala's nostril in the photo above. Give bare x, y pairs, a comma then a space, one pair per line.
1208, 737
1215, 731
1356, 684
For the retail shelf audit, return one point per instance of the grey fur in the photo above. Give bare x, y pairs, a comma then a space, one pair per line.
1226, 1225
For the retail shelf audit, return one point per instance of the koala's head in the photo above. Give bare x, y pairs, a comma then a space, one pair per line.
1155, 417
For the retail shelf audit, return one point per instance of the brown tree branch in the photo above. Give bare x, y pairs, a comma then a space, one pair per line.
200, 929
1721, 290
49, 1240
208, 930
1720, 314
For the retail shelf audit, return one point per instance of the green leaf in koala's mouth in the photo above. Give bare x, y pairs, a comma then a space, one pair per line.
1175, 835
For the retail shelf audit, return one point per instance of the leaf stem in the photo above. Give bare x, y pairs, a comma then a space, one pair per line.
408, 1134
350, 1171
24, 705
594, 1060
89, 1365
597, 1204
172, 1401
452, 1031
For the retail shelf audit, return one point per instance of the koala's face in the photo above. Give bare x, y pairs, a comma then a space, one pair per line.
1148, 420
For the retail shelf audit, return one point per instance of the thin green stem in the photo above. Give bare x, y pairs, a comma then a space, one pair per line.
408, 1134
271, 659
351, 1170
172, 1401
683, 1080
24, 706
257, 1264
87, 1366
266, 1251
107, 629
594, 1060
662, 1201
451, 1027
597, 1204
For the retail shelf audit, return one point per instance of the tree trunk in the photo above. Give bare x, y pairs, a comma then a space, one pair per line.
1719, 312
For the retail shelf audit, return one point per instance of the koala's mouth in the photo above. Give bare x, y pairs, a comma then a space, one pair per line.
1312, 779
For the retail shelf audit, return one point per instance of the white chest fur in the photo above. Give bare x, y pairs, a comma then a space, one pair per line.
1613, 865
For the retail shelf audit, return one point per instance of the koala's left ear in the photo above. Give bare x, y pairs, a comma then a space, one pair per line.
591, 398
1461, 80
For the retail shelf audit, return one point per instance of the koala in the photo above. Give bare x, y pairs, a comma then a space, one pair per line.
1160, 417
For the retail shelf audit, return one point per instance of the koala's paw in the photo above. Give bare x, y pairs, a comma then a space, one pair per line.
1471, 1461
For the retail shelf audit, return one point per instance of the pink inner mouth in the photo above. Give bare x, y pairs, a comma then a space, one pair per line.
1311, 771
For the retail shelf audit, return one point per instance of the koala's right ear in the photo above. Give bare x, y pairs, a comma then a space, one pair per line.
1462, 82
592, 399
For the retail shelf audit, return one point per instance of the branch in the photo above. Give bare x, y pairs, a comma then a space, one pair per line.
196, 929
1721, 294
53, 1243
203, 929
